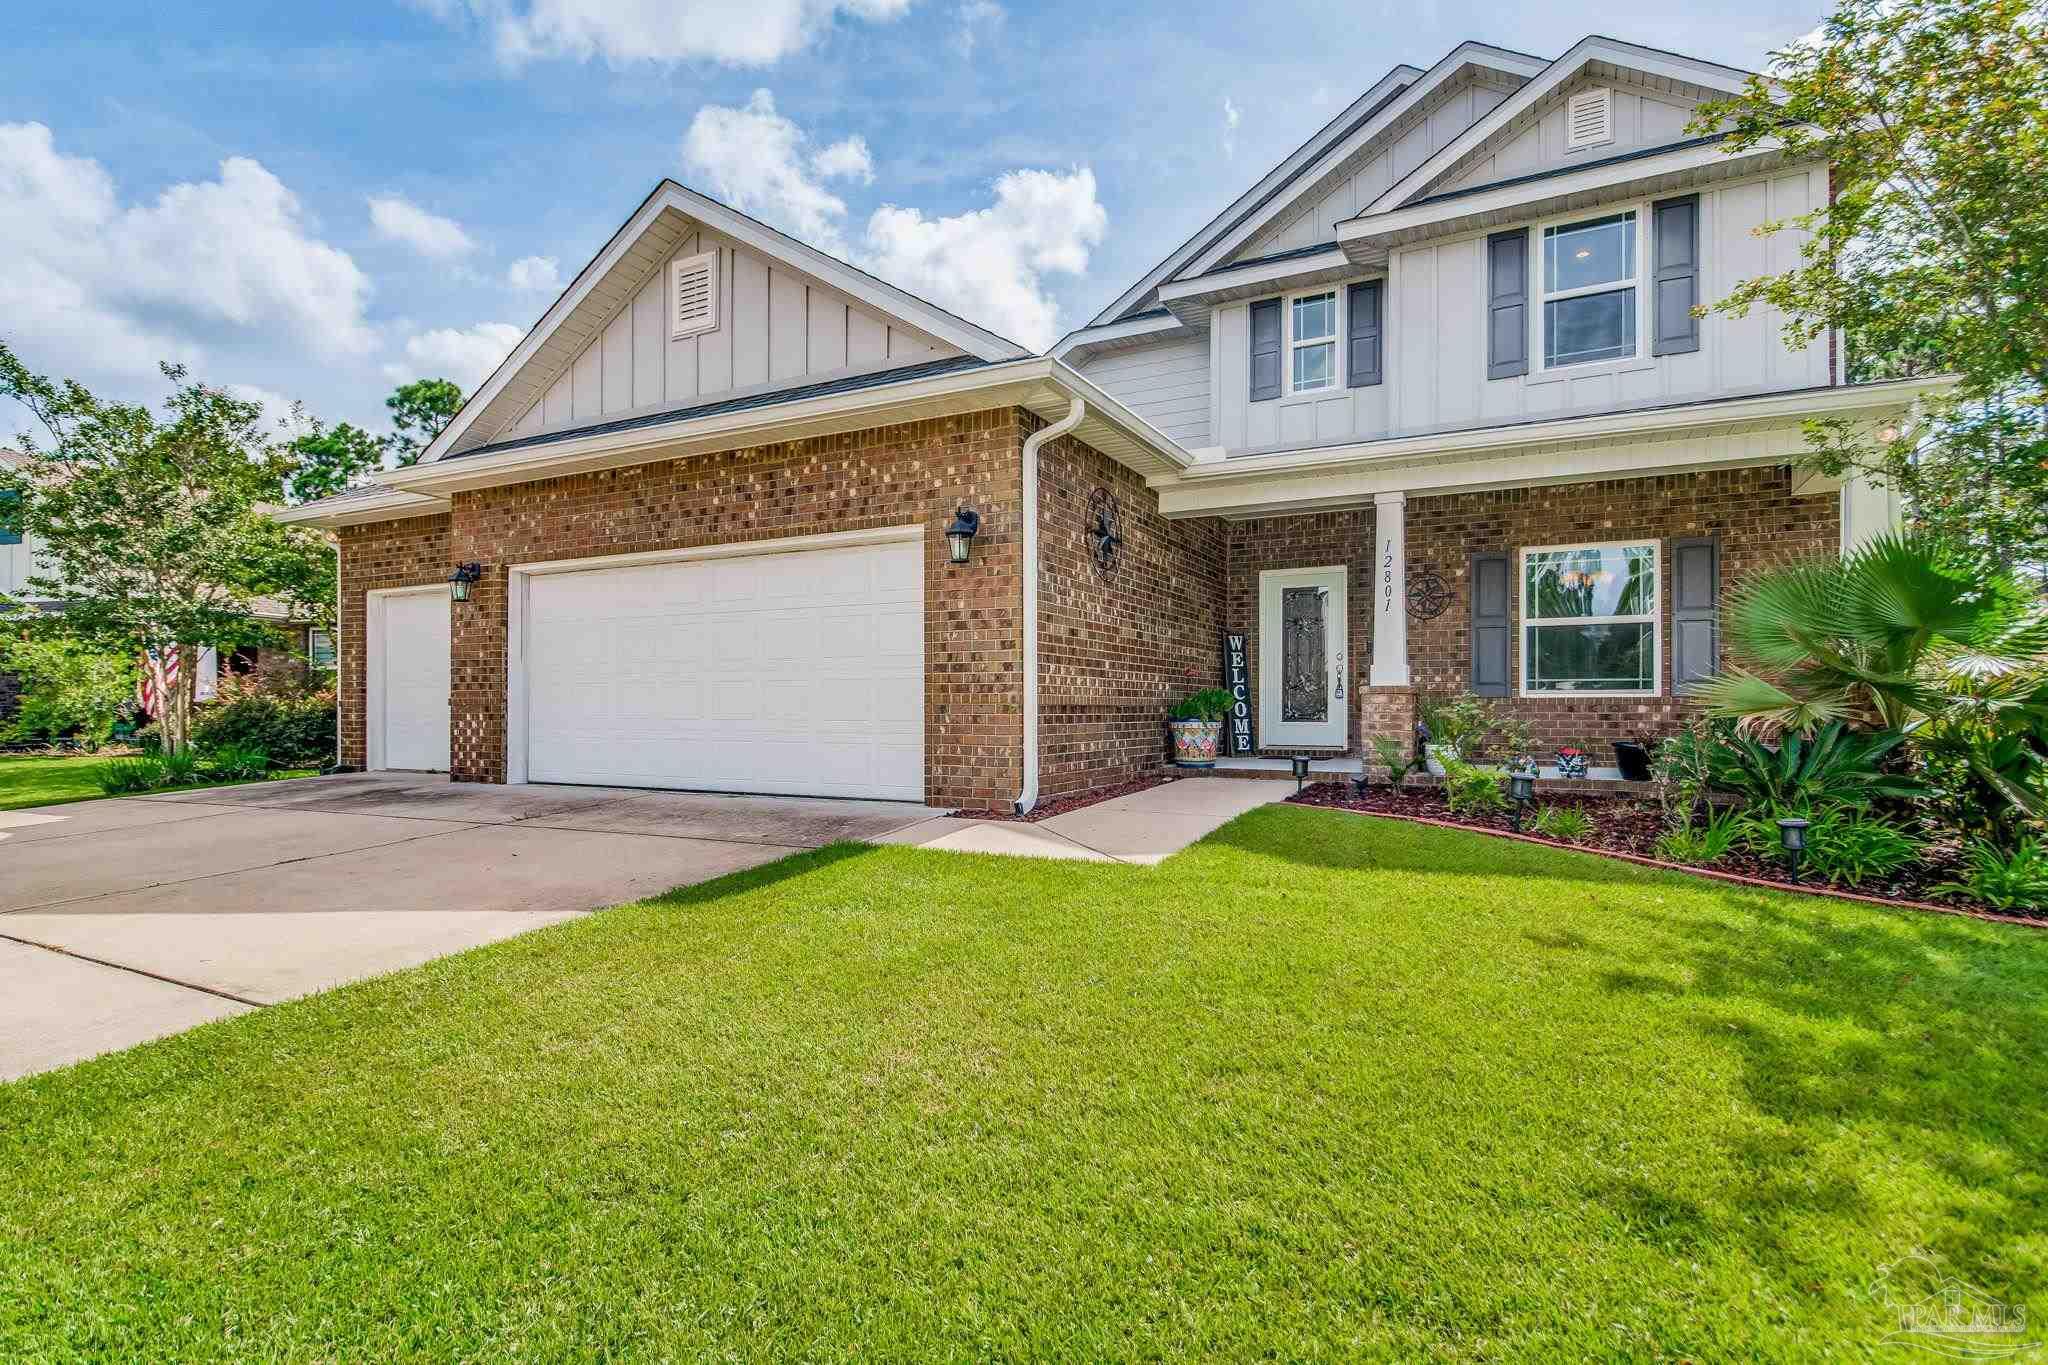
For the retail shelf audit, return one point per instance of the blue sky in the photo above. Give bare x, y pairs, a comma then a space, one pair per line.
314, 202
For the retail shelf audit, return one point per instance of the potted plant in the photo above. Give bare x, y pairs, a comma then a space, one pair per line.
1456, 728
1196, 723
1571, 761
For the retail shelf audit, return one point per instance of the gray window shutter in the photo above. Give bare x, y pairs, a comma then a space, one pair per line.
1507, 304
1695, 627
1363, 360
1265, 349
1673, 328
1492, 626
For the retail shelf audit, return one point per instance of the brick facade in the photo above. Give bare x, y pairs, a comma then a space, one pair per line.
1310, 541
410, 553
1116, 649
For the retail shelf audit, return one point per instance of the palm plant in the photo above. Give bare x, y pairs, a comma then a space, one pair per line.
1891, 633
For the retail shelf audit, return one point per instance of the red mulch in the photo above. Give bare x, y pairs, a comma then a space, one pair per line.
1045, 810
1629, 826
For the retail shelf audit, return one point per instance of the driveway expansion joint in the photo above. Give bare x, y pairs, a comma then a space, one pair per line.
135, 971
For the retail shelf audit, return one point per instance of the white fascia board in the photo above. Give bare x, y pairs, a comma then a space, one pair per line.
1476, 54
1646, 60
1276, 482
1358, 235
1255, 197
885, 298
359, 509
1020, 382
1087, 339
1221, 283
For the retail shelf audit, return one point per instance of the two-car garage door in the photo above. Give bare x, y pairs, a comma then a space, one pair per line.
799, 672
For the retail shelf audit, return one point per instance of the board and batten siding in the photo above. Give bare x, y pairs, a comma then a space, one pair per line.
1640, 119
775, 328
1435, 330
18, 564
1316, 221
1166, 384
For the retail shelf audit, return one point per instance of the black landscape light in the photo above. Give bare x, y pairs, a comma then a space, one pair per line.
463, 579
960, 534
1361, 783
1522, 787
1300, 772
1792, 834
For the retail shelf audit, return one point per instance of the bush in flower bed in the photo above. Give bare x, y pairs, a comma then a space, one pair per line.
1895, 701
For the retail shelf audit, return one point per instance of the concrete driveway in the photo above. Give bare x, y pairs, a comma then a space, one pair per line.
126, 920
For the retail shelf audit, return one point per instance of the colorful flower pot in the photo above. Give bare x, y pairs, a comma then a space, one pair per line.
1571, 763
1194, 742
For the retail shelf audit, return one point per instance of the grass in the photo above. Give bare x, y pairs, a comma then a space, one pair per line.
1320, 1087
46, 780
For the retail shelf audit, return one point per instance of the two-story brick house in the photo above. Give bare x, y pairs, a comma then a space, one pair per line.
1427, 405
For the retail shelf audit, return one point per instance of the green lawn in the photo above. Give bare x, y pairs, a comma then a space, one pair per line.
1321, 1087
40, 780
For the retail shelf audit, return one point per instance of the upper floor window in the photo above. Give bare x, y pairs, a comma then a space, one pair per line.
1312, 342
1590, 294
10, 515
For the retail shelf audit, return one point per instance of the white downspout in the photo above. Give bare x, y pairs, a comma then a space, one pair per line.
1028, 798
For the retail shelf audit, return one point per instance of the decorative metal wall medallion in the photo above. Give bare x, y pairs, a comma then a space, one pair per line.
1428, 594
1105, 529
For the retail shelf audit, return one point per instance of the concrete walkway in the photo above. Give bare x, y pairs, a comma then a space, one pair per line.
1143, 828
126, 920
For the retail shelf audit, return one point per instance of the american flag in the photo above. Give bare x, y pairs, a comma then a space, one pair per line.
159, 676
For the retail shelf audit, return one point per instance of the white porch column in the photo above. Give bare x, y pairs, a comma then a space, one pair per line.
1869, 510
1390, 591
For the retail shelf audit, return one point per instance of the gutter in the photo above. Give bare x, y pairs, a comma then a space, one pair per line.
1028, 797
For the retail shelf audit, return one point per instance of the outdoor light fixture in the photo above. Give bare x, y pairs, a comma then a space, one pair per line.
463, 579
1792, 834
960, 535
1300, 772
1522, 787
1363, 781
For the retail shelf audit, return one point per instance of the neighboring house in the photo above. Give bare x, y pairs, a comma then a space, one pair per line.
20, 560
696, 523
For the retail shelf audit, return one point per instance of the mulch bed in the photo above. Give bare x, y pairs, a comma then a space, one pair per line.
1045, 810
1632, 827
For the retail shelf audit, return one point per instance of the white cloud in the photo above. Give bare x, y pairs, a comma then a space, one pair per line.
466, 356
534, 274
398, 219
732, 32
975, 20
95, 289
846, 159
757, 161
987, 264
1231, 115
990, 264
283, 418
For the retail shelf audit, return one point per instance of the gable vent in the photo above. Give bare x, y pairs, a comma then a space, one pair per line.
1589, 118
693, 295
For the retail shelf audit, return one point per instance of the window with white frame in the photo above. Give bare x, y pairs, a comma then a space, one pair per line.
320, 648
1590, 290
1589, 619
1312, 342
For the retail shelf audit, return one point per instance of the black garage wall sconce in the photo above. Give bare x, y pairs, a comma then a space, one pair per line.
463, 579
960, 534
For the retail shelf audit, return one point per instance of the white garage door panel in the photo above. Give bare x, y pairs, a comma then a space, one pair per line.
411, 656
800, 673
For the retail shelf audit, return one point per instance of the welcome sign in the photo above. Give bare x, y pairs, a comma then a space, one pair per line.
1238, 679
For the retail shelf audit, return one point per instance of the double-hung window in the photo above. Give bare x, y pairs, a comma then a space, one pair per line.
1312, 342
1589, 619
1590, 290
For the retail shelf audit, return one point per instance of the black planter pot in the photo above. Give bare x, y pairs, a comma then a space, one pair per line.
1633, 758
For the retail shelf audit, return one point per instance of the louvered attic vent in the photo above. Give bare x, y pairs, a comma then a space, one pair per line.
1589, 118
693, 295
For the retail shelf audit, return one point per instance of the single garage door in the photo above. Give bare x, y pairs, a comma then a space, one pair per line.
408, 679
798, 672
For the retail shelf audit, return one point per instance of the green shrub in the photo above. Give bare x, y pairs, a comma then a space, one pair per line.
67, 688
1844, 846
295, 732
1395, 757
1566, 823
1832, 767
237, 763
2017, 880
1472, 790
1704, 843
180, 770
1211, 704
124, 776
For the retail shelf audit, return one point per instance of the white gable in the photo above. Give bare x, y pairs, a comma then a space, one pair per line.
1637, 117
764, 312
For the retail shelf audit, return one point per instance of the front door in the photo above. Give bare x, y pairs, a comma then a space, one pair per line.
1302, 659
